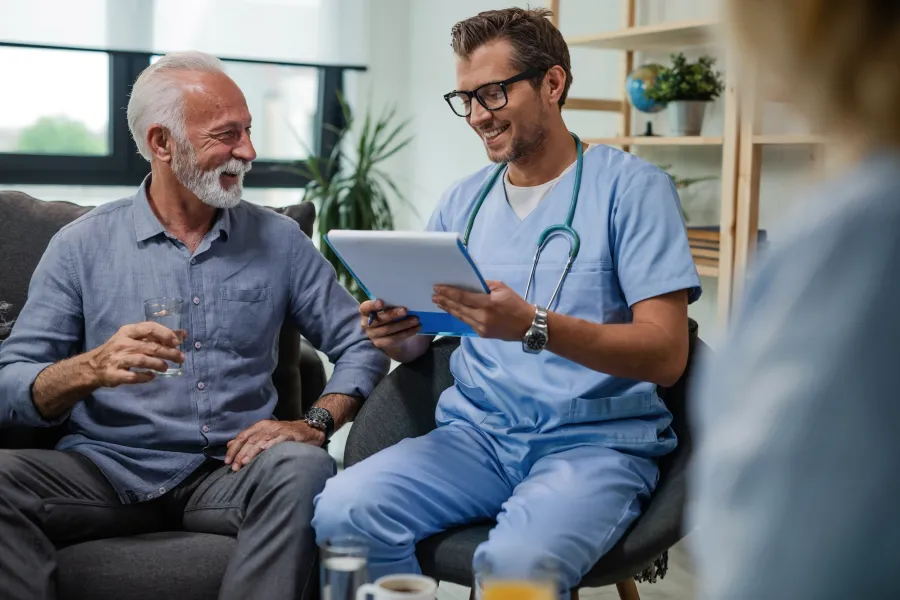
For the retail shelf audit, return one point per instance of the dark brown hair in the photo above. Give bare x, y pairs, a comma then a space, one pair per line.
536, 43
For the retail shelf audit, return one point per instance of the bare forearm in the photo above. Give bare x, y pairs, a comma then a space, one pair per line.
342, 408
640, 351
61, 385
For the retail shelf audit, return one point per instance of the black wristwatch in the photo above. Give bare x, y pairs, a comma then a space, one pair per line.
321, 419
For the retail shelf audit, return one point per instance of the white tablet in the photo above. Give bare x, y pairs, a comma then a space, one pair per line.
401, 268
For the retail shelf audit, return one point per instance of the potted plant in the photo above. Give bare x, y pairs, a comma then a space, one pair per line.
686, 88
349, 188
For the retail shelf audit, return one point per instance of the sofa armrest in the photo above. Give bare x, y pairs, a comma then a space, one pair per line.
403, 404
312, 374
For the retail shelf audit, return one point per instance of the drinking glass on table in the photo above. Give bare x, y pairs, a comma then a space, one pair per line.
168, 312
343, 567
537, 582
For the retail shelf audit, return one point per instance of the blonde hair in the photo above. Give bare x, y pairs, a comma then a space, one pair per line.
839, 60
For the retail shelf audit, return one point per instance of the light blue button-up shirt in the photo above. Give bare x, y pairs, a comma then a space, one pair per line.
251, 271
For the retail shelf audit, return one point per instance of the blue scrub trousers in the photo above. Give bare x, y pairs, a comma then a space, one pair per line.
571, 506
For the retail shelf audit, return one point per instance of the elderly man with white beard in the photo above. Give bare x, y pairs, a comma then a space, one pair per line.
201, 451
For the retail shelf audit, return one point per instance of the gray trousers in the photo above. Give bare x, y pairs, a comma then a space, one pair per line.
49, 498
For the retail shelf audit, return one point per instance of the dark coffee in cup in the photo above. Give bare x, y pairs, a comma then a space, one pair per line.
403, 587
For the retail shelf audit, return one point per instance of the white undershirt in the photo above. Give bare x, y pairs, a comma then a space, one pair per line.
523, 200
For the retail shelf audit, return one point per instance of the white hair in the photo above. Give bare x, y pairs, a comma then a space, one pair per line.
158, 98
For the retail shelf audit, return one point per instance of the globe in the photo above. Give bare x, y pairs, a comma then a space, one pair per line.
636, 86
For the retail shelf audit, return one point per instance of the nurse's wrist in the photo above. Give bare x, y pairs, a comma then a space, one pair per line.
527, 320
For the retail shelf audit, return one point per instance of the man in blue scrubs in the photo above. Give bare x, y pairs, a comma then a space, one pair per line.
553, 426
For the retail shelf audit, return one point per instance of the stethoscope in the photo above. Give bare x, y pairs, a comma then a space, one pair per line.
554, 230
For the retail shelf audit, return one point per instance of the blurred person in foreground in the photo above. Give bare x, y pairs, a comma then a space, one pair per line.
199, 452
796, 481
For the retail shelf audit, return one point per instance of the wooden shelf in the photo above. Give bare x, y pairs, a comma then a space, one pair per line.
707, 271
639, 140
661, 37
789, 139
593, 104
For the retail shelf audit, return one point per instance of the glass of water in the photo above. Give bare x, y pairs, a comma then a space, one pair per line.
168, 312
344, 567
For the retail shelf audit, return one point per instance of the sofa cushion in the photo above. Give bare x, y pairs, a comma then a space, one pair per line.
187, 566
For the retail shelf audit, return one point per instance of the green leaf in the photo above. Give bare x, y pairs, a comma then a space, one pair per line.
686, 81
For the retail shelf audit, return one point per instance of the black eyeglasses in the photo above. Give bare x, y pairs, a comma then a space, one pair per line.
491, 95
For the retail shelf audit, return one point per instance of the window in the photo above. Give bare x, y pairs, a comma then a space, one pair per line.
283, 102
65, 123
63, 111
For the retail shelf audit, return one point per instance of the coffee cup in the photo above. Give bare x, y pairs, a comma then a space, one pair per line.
399, 587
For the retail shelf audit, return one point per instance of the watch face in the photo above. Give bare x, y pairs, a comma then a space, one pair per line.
536, 340
319, 418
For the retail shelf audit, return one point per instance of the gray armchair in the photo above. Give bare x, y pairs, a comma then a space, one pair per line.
178, 564
403, 406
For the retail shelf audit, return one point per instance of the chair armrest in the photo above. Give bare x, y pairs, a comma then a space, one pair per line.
403, 404
301, 385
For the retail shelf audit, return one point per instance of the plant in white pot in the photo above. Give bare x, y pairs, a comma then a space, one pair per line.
686, 88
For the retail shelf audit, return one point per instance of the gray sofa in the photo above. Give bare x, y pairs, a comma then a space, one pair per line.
182, 565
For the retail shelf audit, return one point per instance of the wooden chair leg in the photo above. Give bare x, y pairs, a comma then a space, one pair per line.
573, 595
628, 589
472, 593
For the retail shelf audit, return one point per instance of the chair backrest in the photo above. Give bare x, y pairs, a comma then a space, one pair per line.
26, 226
676, 399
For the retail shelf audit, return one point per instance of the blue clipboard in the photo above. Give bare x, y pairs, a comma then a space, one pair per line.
355, 249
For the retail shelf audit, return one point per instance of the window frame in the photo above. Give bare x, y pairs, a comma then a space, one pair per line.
124, 166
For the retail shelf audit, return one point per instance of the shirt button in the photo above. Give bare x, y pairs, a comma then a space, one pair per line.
206, 429
201, 385
198, 345
149, 496
193, 261
196, 300
162, 490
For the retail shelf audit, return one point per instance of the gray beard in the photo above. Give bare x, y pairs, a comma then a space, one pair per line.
206, 185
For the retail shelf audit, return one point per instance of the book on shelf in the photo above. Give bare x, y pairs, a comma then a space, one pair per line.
705, 253
706, 262
709, 235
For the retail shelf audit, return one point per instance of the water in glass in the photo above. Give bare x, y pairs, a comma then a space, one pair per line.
169, 313
343, 568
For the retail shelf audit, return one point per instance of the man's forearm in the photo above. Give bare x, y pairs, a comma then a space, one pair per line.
61, 385
640, 351
342, 408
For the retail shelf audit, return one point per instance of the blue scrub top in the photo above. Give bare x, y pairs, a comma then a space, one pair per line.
633, 247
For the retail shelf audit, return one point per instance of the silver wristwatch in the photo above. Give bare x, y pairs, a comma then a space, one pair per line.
537, 336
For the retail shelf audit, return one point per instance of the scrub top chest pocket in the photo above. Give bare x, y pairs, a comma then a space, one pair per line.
246, 315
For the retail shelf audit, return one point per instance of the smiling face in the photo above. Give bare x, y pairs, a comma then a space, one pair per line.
217, 152
512, 133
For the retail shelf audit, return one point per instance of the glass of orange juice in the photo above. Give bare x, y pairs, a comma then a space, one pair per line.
539, 582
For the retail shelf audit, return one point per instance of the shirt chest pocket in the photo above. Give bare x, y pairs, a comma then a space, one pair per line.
247, 318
